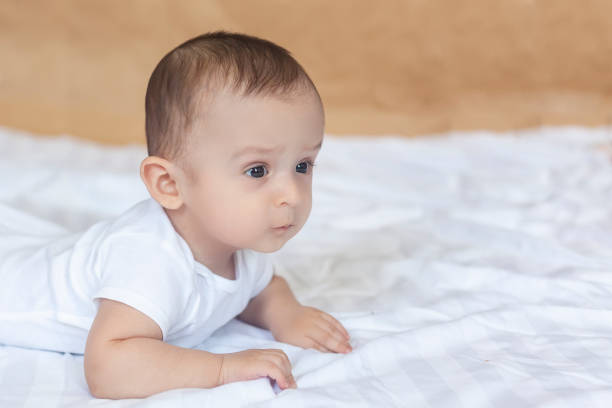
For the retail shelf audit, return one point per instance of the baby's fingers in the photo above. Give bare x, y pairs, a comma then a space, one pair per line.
331, 339
283, 380
318, 346
336, 324
279, 369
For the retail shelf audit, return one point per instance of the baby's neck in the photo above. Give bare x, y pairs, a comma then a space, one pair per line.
217, 257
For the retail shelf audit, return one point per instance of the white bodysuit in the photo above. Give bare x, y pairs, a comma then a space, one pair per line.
49, 285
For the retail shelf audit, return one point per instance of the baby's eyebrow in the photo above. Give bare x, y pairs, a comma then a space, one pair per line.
254, 149
259, 149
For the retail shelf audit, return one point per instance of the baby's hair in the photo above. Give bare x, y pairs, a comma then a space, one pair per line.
193, 71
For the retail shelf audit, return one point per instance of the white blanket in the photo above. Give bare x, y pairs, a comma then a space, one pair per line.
471, 269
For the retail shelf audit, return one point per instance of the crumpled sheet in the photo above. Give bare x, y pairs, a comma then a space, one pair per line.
471, 269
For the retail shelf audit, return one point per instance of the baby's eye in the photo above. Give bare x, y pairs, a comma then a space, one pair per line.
257, 171
303, 166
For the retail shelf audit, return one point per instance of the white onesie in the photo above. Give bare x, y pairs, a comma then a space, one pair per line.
49, 285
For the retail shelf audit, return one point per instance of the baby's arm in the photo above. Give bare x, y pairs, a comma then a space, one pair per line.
125, 357
277, 310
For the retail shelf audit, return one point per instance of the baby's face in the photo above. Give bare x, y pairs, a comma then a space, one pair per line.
251, 169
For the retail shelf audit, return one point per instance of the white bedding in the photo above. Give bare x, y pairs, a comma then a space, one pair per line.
471, 269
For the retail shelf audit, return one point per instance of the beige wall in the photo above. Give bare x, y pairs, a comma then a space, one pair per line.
401, 67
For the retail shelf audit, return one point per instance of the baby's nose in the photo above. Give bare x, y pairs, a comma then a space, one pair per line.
288, 192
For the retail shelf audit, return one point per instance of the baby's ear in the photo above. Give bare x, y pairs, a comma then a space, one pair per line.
158, 175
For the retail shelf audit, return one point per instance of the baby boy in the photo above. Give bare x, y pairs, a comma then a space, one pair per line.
233, 126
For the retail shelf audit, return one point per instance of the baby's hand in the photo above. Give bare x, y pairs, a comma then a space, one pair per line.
251, 364
308, 327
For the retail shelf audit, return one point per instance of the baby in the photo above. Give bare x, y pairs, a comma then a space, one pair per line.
233, 126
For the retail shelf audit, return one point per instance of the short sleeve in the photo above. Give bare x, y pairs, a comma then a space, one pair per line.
140, 272
263, 271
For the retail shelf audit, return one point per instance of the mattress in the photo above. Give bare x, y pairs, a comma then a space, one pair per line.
471, 269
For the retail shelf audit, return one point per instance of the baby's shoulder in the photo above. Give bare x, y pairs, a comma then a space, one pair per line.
144, 230
146, 217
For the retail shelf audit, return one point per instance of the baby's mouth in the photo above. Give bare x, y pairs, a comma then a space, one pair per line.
283, 227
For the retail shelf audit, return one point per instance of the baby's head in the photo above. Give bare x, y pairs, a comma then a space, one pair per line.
233, 125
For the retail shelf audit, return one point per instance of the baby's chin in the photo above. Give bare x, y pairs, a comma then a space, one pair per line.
270, 246
266, 249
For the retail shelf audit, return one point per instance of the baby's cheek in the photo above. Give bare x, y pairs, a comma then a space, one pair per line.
305, 211
244, 220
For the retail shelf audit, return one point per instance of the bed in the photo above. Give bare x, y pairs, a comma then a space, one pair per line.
471, 269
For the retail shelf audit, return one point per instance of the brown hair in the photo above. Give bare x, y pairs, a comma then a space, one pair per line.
195, 69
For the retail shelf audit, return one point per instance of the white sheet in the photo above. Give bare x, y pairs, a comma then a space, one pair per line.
471, 269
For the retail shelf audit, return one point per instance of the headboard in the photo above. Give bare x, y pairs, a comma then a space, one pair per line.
403, 67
